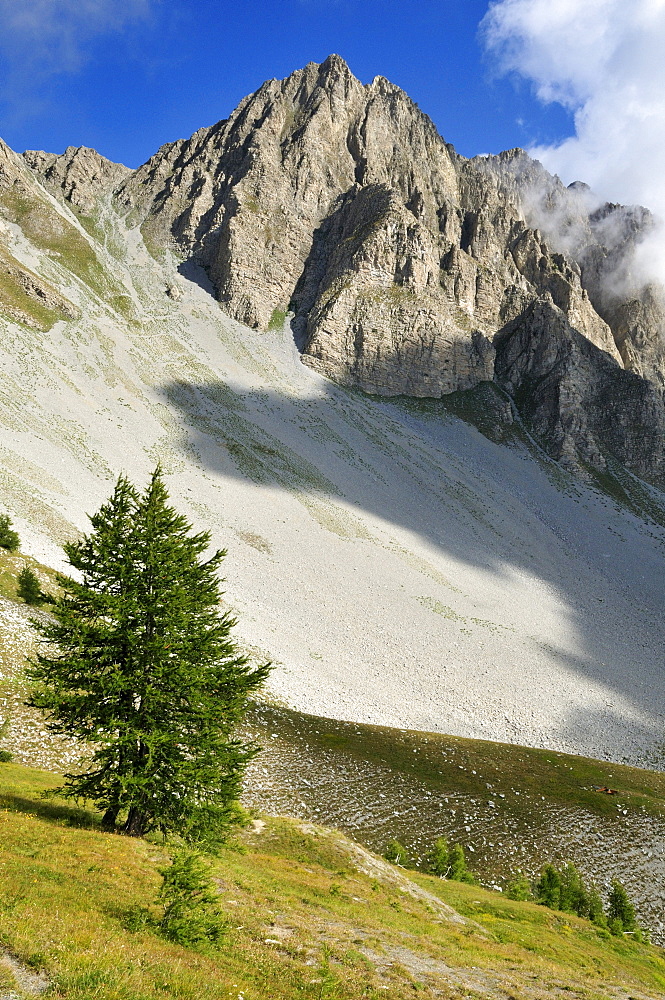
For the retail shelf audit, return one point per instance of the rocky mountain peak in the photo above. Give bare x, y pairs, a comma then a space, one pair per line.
408, 269
405, 268
80, 174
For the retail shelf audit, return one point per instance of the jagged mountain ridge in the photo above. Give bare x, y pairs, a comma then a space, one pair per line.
409, 269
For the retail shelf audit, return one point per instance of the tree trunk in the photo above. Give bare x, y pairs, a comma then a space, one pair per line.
109, 818
136, 823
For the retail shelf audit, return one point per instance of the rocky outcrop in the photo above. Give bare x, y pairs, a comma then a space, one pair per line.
405, 268
21, 290
399, 259
582, 407
80, 175
603, 239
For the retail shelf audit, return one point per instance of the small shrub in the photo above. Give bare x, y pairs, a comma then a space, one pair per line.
519, 889
191, 914
28, 587
8, 537
5, 756
137, 918
396, 853
438, 860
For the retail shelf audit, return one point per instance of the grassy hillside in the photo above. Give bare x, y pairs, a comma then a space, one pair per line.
310, 915
11, 564
513, 808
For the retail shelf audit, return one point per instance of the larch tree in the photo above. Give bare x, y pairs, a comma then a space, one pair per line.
139, 664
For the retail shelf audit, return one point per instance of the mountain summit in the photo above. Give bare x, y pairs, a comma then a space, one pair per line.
409, 269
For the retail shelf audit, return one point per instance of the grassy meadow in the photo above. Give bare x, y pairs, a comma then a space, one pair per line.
309, 914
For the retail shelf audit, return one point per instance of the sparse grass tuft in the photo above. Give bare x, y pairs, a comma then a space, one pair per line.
50, 232
277, 319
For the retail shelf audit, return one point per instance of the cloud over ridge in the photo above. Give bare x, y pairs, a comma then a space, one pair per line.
603, 60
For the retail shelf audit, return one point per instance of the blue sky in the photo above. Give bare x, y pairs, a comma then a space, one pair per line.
125, 76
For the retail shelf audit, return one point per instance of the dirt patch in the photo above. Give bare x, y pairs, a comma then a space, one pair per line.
29, 982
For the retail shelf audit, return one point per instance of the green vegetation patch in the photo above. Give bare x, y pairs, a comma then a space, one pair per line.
17, 304
277, 319
465, 766
50, 232
11, 566
308, 915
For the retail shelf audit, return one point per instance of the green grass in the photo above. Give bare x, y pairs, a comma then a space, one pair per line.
462, 765
50, 232
309, 915
11, 564
16, 302
277, 319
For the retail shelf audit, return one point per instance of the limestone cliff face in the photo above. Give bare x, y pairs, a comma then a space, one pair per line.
405, 268
80, 175
341, 201
602, 238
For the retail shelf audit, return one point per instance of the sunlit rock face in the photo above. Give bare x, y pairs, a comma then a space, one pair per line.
80, 173
406, 268
604, 239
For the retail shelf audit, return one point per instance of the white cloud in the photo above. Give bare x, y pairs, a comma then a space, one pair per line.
603, 60
58, 30
43, 38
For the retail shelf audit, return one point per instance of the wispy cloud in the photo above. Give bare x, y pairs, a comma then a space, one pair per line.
603, 60
40, 39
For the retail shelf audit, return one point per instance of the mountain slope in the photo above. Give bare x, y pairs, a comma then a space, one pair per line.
309, 914
400, 567
408, 268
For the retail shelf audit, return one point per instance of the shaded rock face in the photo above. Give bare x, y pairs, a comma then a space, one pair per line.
80, 175
602, 238
405, 268
575, 399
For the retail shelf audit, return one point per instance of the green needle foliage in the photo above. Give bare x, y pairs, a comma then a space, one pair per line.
520, 888
191, 914
138, 663
396, 853
8, 537
28, 587
437, 862
458, 870
620, 911
564, 889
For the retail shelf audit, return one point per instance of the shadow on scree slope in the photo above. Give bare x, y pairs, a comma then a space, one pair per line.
492, 506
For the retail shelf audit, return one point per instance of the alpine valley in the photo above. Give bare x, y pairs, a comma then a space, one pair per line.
419, 398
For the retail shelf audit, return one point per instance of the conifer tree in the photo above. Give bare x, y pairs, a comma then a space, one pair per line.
620, 911
28, 587
458, 870
396, 853
596, 910
139, 664
519, 888
573, 893
8, 537
548, 888
438, 860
